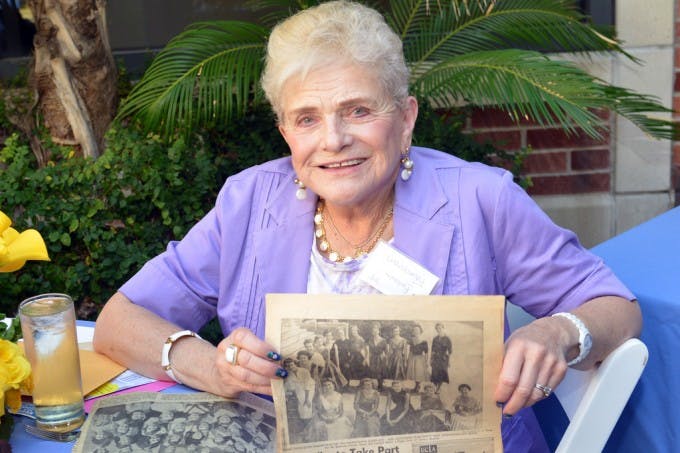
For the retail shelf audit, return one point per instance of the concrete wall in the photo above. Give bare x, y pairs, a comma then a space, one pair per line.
641, 167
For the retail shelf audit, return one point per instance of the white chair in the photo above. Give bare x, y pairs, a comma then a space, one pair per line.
593, 400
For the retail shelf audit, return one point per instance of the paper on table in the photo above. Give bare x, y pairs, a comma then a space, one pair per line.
125, 380
97, 369
155, 386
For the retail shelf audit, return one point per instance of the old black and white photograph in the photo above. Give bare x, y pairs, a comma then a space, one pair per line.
393, 372
368, 378
152, 422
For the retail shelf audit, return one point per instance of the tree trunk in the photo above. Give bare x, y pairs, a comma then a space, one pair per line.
74, 75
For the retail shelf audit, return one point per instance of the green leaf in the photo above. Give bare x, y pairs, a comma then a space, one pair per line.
65, 239
73, 225
204, 75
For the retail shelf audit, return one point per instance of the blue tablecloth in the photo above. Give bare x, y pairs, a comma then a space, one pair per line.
647, 260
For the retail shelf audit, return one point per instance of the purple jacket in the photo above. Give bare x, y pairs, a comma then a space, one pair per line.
466, 222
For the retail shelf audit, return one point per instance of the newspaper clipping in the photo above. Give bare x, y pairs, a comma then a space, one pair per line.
161, 422
387, 374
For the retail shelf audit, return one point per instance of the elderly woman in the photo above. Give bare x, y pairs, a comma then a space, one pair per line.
336, 78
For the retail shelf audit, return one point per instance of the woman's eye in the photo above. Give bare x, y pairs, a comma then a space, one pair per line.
305, 121
359, 111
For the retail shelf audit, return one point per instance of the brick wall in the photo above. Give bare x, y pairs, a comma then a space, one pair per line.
559, 163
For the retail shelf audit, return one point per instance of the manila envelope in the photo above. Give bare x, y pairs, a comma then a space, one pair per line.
95, 369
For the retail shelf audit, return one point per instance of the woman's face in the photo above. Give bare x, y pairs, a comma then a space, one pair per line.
345, 134
150, 426
327, 387
303, 360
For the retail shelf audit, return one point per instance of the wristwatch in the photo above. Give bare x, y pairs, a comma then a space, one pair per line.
585, 341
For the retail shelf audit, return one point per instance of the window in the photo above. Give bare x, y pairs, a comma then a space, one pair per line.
601, 11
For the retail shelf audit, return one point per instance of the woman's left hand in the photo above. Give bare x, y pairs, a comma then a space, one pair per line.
533, 366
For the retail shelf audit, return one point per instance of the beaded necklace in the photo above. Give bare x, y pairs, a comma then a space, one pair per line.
361, 249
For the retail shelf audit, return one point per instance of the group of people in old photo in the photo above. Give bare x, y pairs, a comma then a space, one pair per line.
373, 378
199, 427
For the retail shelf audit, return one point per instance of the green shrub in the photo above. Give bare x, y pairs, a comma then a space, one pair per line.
101, 220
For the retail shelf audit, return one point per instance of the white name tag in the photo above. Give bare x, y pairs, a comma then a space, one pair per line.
391, 272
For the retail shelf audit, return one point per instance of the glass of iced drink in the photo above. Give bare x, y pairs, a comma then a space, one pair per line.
48, 323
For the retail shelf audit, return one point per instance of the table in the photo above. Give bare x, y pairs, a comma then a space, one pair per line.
22, 442
647, 259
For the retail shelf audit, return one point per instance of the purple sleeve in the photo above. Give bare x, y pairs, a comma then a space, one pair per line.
181, 293
540, 266
183, 284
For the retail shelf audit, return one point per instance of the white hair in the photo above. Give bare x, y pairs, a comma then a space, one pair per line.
336, 31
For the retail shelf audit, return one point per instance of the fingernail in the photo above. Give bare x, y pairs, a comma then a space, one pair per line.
274, 356
282, 373
507, 416
499, 404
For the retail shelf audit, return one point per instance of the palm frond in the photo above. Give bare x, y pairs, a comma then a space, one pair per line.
640, 110
206, 73
480, 51
527, 84
274, 11
546, 25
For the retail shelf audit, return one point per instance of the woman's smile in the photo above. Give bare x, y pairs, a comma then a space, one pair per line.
343, 164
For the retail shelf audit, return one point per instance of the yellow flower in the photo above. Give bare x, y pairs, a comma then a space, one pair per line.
17, 248
15, 372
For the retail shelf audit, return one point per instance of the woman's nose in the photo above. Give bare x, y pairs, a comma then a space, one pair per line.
334, 135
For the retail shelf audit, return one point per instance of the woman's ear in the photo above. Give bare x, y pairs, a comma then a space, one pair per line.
282, 131
409, 115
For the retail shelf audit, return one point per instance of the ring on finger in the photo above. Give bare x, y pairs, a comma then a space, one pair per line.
545, 389
231, 354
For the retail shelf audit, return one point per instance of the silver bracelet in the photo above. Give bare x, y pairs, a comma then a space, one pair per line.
167, 346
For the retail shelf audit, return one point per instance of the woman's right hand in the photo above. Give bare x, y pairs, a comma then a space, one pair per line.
256, 365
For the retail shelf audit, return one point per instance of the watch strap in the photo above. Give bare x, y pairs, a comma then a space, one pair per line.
584, 342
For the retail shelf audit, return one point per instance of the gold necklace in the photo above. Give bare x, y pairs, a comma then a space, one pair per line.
342, 236
363, 248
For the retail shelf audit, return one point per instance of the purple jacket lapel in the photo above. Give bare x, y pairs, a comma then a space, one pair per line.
283, 250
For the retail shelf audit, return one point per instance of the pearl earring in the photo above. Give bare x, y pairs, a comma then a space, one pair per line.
301, 192
407, 165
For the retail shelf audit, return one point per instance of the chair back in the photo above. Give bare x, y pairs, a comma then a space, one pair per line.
592, 400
